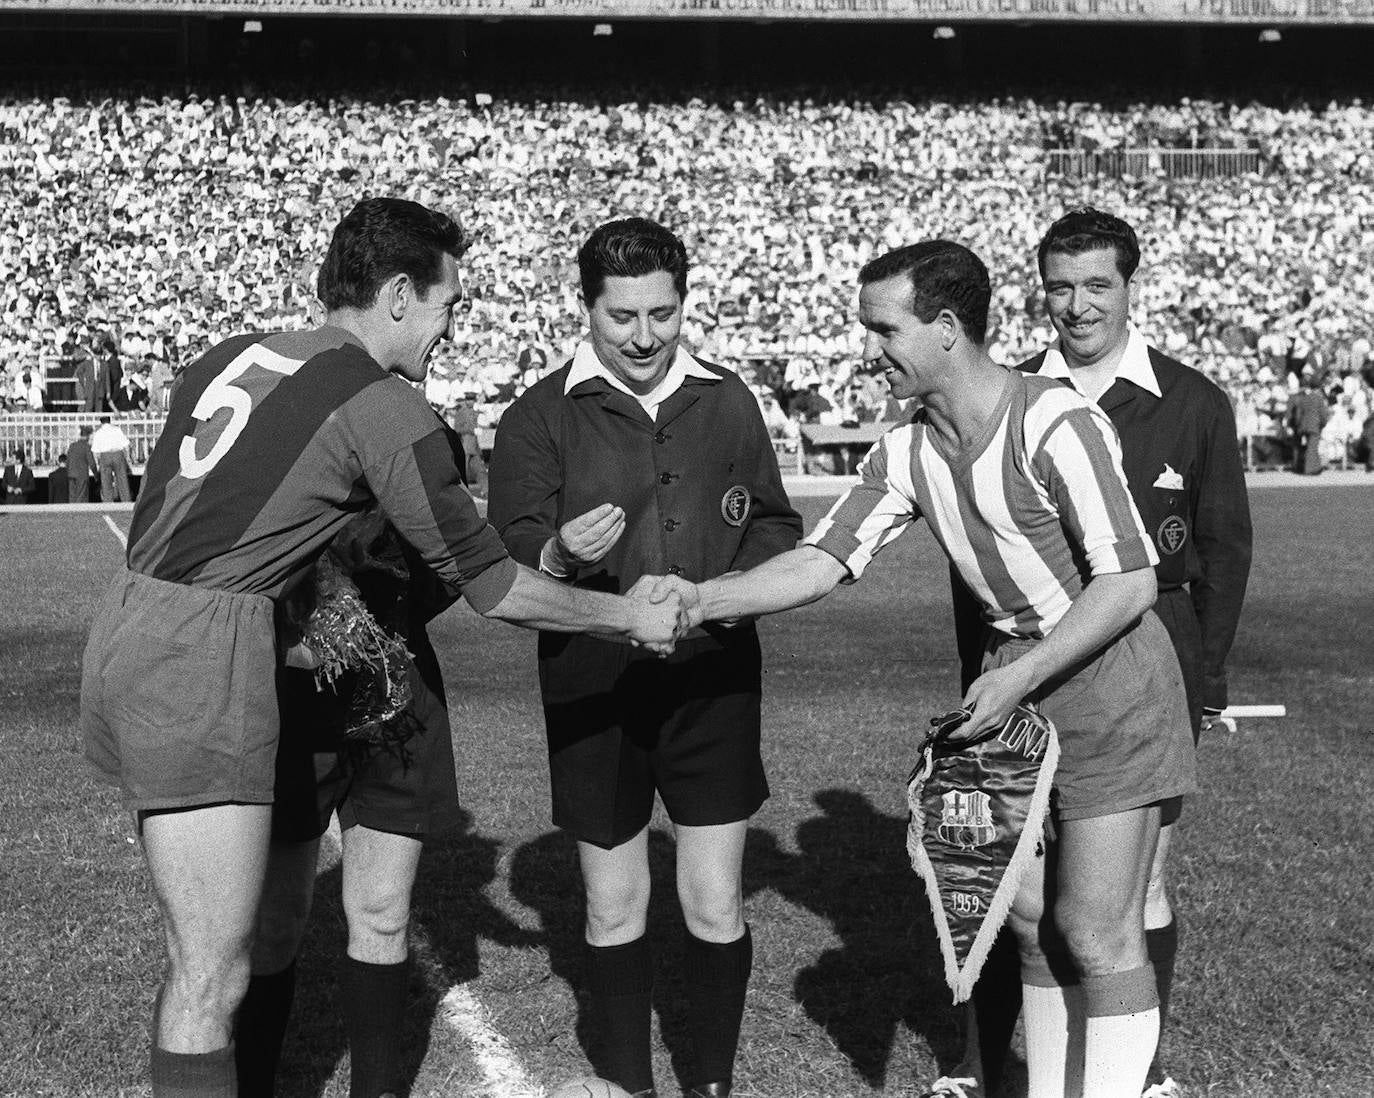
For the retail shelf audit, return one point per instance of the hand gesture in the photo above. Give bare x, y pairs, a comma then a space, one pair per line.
991, 697
656, 625
660, 589
588, 537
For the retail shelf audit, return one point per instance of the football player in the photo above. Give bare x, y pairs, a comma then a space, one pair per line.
271, 444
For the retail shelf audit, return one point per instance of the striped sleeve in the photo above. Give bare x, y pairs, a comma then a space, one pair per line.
1077, 457
876, 510
421, 492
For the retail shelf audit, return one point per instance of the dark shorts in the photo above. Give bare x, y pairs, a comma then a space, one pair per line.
1175, 610
623, 723
406, 789
177, 705
1124, 736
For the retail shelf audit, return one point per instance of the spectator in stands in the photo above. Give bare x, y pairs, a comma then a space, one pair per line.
131, 395
110, 446
80, 467
18, 480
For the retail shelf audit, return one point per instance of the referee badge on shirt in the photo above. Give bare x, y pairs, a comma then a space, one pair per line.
734, 505
1171, 535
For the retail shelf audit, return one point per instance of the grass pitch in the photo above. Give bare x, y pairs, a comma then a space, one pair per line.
1272, 869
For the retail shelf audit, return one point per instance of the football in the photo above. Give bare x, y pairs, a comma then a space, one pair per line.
590, 1087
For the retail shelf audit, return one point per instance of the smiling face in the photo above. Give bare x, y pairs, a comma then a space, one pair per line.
635, 324
427, 318
898, 344
1089, 304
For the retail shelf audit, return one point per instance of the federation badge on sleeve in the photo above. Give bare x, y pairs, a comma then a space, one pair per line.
734, 505
977, 811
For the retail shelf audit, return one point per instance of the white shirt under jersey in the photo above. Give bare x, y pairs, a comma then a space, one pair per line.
1027, 513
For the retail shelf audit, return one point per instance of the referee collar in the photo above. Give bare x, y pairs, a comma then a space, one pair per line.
586, 366
1135, 365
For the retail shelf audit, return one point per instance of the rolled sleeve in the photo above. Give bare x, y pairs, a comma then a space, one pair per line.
870, 515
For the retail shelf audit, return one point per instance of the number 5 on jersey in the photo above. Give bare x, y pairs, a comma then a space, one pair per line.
223, 393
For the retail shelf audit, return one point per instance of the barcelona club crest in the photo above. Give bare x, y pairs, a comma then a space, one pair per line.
1172, 533
734, 505
966, 819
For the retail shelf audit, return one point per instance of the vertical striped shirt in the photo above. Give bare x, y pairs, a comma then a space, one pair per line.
1028, 513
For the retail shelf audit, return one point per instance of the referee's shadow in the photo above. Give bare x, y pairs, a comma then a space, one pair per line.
851, 869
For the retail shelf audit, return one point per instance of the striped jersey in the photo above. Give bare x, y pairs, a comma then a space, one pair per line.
273, 442
1027, 514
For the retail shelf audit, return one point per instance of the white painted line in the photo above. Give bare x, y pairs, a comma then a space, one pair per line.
1255, 711
504, 1076
116, 531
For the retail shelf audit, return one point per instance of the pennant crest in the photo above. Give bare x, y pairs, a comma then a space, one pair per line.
975, 826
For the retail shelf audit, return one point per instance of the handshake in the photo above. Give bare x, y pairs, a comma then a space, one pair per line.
669, 606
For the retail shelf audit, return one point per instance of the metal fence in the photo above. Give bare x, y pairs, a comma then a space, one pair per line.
45, 435
1171, 163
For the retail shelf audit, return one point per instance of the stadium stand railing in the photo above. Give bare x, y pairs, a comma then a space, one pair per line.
45, 435
1154, 161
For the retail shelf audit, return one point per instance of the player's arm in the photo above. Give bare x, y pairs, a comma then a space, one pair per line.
1222, 539
536, 601
864, 520
422, 493
791, 579
1102, 611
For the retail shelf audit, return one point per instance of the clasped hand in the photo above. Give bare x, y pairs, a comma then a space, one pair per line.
668, 596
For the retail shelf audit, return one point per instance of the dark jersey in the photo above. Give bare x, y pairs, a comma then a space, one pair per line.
273, 442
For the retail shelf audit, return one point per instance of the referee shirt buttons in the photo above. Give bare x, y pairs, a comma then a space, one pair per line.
675, 570
665, 478
671, 524
660, 438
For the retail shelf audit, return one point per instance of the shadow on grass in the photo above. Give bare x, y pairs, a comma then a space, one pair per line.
449, 914
851, 870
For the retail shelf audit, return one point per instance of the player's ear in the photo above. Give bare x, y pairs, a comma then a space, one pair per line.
585, 306
399, 291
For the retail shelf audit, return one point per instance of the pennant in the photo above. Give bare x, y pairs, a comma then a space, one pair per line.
977, 813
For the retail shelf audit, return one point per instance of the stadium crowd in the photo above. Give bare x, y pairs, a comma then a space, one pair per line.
170, 222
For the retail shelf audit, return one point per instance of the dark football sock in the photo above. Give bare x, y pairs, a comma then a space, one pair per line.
260, 1028
195, 1074
997, 1003
373, 1004
620, 982
1162, 946
717, 975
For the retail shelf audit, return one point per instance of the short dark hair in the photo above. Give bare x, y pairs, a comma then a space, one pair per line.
943, 275
629, 248
1084, 229
383, 237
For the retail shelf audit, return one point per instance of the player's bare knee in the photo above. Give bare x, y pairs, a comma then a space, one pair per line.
713, 914
1098, 943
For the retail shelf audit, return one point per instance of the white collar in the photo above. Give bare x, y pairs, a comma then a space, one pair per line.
1134, 366
585, 366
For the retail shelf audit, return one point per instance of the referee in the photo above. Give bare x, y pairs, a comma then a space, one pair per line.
1182, 464
636, 458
